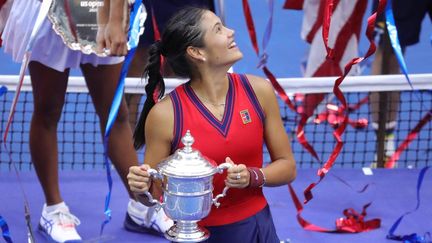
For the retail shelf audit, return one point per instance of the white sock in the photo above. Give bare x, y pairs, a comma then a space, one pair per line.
141, 211
137, 205
390, 145
52, 208
388, 126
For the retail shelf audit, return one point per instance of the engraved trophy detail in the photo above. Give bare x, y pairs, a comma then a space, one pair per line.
187, 183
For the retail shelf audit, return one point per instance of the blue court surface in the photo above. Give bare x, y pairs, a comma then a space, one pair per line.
392, 193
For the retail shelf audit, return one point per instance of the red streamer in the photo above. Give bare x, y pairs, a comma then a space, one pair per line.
410, 137
293, 4
2, 2
352, 223
252, 34
349, 225
338, 92
334, 115
157, 37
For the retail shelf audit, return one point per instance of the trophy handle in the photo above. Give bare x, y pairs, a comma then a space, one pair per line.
155, 174
220, 169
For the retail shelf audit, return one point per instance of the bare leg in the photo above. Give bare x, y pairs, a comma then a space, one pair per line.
133, 101
49, 87
136, 70
102, 82
393, 96
137, 213
138, 63
384, 106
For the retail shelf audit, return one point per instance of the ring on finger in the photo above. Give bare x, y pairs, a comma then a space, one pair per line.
238, 176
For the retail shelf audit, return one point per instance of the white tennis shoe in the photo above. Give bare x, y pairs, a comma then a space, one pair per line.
143, 219
59, 225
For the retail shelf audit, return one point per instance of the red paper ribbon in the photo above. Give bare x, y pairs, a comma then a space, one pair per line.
157, 37
334, 115
330, 66
328, 10
410, 137
352, 223
293, 4
2, 2
338, 92
252, 34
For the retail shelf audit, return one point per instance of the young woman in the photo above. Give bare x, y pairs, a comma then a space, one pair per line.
229, 115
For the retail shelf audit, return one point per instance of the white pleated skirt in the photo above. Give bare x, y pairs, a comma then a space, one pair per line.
48, 48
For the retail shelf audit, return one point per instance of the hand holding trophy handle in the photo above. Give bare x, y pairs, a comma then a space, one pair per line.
154, 174
220, 169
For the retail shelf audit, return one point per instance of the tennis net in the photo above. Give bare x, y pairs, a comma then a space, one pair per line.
80, 142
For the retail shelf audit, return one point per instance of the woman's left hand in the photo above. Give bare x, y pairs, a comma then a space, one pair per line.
238, 176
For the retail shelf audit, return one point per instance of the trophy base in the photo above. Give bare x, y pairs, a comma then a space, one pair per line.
184, 231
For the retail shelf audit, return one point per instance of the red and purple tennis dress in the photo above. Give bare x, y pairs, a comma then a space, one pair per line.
239, 135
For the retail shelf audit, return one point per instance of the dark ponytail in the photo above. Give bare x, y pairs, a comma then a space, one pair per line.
181, 31
155, 90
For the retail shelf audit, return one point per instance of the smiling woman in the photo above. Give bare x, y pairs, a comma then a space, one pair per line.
221, 48
230, 115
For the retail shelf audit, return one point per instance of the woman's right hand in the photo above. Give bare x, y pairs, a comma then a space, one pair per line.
116, 38
139, 179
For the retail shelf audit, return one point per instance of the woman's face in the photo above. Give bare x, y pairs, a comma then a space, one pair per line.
219, 45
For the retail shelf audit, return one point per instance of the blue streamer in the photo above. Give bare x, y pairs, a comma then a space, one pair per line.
393, 34
3, 90
132, 43
133, 38
5, 229
412, 238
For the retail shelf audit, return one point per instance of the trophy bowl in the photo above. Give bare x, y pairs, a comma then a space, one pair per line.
76, 21
187, 183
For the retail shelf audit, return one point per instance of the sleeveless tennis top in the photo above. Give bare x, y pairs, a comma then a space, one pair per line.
239, 135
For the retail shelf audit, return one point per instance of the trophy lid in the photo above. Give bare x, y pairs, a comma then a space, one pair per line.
187, 162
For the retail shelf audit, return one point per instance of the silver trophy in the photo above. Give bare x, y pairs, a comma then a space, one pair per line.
77, 22
187, 182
